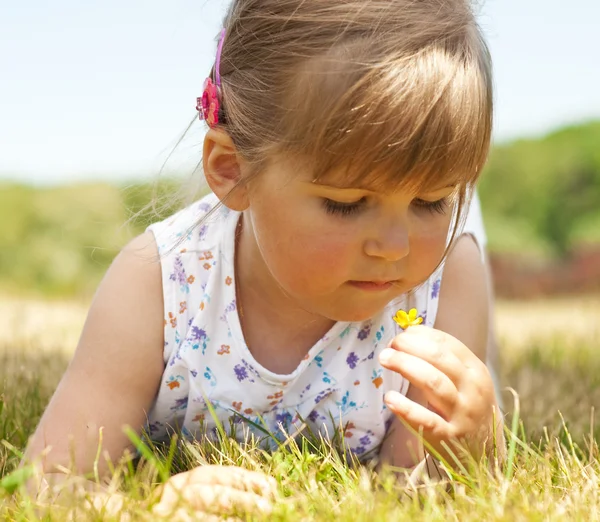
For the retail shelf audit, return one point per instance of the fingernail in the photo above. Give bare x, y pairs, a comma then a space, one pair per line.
386, 356
393, 398
264, 505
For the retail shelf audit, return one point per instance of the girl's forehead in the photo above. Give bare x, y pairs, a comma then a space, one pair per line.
287, 168
388, 179
373, 160
339, 183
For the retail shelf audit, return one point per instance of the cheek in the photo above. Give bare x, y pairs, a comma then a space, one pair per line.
304, 256
426, 253
324, 255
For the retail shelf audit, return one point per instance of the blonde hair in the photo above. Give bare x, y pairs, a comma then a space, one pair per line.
395, 87
397, 91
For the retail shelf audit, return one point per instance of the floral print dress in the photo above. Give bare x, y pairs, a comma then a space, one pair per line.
210, 372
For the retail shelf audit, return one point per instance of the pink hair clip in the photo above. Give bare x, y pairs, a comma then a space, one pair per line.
209, 104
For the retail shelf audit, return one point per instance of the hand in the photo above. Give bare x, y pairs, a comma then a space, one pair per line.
457, 400
217, 490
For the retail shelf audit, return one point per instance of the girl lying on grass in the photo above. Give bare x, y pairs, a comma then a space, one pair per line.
327, 281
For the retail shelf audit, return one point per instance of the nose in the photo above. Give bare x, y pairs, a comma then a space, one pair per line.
391, 242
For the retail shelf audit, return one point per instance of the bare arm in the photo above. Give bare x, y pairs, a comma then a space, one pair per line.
464, 298
111, 382
114, 375
462, 313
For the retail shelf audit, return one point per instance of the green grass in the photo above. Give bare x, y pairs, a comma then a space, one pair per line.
555, 471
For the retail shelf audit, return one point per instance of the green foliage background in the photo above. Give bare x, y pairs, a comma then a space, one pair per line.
543, 195
540, 196
59, 242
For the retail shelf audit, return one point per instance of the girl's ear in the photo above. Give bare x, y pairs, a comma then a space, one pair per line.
223, 171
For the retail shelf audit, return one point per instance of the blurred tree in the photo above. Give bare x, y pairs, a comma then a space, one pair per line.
539, 196
551, 184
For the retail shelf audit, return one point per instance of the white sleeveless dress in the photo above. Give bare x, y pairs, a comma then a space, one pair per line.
338, 387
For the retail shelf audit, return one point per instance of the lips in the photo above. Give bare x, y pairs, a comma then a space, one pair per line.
372, 285
379, 281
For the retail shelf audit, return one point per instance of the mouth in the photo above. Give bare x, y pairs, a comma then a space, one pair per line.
373, 286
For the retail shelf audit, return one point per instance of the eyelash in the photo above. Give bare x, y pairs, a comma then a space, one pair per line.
343, 209
349, 209
434, 207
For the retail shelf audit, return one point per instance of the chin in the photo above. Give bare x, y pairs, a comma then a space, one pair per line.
355, 316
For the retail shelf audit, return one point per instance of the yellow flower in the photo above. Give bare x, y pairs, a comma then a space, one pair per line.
408, 319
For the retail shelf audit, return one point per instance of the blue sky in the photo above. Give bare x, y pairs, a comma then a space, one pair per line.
102, 90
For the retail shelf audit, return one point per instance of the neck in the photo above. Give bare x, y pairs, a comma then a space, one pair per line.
271, 318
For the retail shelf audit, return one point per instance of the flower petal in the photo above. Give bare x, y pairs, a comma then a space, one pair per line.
404, 320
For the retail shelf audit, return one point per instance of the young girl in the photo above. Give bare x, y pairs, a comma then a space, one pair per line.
345, 139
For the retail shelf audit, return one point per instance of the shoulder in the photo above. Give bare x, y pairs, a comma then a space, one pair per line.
190, 245
464, 296
189, 228
135, 270
193, 243
132, 286
464, 266
196, 248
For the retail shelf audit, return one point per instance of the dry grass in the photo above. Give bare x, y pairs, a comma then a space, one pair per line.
549, 355
57, 324
41, 325
523, 323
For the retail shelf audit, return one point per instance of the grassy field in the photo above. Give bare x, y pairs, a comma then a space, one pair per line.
550, 356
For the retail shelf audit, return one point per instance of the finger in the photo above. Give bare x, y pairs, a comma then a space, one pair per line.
211, 499
437, 388
416, 416
433, 346
230, 476
453, 345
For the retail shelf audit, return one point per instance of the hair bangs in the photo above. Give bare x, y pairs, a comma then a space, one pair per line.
417, 123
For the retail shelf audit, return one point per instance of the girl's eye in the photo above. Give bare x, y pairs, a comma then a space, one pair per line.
343, 209
434, 207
